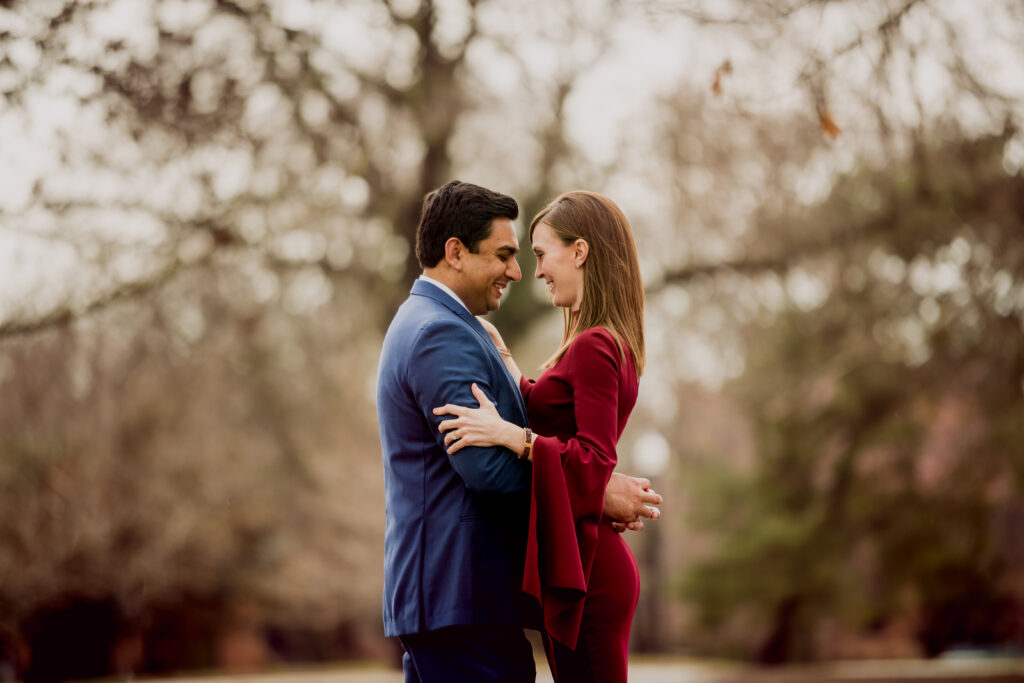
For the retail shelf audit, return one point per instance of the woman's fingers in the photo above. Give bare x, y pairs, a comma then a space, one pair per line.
469, 425
451, 409
480, 396
453, 440
461, 411
447, 424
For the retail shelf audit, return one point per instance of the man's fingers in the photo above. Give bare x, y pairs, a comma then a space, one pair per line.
648, 511
650, 497
644, 483
619, 526
635, 526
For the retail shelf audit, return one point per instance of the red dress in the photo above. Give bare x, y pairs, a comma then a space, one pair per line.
577, 566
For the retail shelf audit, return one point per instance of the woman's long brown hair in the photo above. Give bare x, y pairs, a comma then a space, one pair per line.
613, 293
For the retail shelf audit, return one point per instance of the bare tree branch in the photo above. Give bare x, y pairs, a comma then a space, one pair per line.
65, 314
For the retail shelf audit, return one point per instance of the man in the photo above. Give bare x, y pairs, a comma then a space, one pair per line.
456, 524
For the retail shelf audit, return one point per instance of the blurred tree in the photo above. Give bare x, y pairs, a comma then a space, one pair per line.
302, 134
897, 75
163, 456
811, 94
224, 198
887, 420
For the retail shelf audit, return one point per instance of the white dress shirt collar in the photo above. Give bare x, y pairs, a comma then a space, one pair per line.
446, 289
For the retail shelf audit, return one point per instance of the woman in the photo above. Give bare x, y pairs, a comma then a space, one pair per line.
578, 567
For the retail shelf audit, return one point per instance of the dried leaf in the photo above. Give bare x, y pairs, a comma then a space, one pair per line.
828, 124
723, 69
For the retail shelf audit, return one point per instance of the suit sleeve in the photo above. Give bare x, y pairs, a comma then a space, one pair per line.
447, 359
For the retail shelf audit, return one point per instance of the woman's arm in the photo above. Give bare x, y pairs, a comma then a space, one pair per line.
481, 426
626, 499
506, 355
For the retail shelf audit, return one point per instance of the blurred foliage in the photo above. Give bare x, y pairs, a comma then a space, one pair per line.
285, 134
188, 446
888, 421
159, 471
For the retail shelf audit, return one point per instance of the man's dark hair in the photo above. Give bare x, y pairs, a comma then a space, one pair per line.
460, 210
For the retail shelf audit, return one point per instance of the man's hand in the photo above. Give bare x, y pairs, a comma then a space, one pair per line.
627, 500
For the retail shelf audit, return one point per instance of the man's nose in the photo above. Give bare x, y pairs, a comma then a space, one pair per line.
514, 273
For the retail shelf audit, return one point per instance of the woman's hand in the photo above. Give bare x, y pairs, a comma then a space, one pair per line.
481, 426
506, 355
493, 332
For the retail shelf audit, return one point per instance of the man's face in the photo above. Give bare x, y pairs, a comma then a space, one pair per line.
486, 273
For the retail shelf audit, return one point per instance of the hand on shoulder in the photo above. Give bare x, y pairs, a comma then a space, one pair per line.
492, 331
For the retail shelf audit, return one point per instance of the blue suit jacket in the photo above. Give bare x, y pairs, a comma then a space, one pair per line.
456, 525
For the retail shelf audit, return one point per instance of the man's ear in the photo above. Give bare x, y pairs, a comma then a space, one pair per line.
580, 251
454, 250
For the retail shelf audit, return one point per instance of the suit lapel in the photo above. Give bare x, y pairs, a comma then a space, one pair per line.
432, 292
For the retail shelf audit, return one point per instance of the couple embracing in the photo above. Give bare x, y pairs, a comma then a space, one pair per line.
502, 508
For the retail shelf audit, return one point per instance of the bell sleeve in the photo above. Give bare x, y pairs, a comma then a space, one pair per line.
568, 485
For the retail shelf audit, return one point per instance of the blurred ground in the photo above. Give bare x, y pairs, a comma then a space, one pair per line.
662, 670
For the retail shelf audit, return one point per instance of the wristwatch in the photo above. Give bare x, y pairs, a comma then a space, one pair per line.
528, 446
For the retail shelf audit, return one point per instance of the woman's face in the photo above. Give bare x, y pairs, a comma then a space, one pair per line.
556, 265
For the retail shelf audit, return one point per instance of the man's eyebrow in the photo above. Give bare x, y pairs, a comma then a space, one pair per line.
507, 248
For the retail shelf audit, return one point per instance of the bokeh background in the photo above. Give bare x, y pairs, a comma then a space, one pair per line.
207, 209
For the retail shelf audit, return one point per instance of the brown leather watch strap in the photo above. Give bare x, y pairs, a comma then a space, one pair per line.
528, 446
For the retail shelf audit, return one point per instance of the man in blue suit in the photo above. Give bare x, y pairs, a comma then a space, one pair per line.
456, 525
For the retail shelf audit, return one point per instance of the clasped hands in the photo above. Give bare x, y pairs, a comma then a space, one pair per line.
627, 500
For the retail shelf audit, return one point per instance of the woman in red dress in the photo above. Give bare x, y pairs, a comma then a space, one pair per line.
578, 567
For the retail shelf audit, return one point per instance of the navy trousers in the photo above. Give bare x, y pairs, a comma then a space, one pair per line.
470, 654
